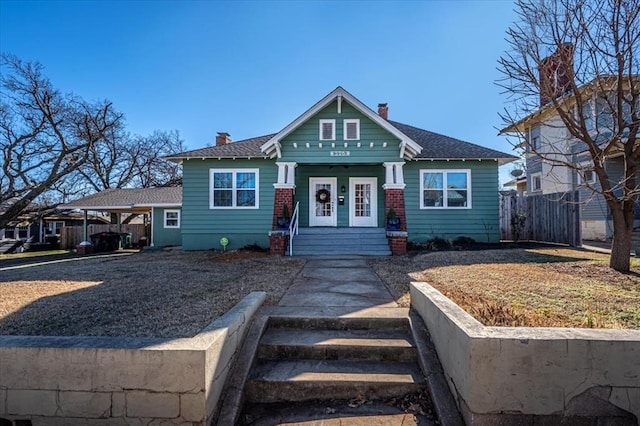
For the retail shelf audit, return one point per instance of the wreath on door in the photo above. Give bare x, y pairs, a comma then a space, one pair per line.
323, 196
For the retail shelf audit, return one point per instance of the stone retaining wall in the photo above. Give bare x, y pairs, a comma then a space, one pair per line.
112, 381
511, 375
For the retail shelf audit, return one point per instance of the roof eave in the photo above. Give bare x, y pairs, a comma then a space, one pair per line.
116, 207
501, 160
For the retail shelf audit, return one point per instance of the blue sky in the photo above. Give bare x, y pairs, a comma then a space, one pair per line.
251, 67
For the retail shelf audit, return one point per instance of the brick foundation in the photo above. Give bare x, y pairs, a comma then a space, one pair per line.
398, 245
84, 249
278, 243
282, 196
395, 198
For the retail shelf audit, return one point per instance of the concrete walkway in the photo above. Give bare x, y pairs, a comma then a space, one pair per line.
335, 289
337, 281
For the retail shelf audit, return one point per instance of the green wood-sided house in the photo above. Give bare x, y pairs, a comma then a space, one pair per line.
339, 168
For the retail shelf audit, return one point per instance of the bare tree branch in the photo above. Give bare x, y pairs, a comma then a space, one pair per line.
572, 66
44, 135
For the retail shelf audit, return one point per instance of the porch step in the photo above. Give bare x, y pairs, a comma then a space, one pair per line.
341, 241
337, 344
311, 358
304, 379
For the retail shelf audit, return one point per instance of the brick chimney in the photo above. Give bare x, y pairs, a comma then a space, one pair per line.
223, 138
556, 73
383, 110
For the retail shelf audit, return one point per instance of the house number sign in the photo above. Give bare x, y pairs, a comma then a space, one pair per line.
340, 153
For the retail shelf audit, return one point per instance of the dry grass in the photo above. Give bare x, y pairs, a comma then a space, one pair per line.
541, 287
147, 294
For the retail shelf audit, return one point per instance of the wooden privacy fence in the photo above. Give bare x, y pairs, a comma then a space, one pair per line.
71, 236
553, 218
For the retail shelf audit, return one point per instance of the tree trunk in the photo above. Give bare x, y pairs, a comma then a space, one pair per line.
621, 245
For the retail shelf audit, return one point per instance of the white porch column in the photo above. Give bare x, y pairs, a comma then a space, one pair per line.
286, 175
394, 177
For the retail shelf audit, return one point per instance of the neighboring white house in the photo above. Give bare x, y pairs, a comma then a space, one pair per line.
547, 144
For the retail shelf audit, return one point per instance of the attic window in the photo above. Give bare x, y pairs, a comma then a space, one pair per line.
327, 130
351, 130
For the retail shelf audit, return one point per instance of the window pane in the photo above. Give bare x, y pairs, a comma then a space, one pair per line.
246, 198
432, 198
457, 198
172, 222
222, 198
246, 180
223, 180
457, 180
432, 180
352, 130
327, 130
172, 215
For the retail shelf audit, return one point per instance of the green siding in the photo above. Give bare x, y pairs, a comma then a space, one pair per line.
369, 132
342, 173
163, 237
480, 222
202, 227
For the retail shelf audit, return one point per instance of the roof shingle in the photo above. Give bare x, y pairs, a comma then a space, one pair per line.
434, 145
129, 197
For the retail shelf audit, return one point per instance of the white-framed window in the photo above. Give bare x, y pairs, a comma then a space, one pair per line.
54, 228
172, 218
233, 188
536, 182
535, 142
351, 129
445, 189
586, 174
328, 130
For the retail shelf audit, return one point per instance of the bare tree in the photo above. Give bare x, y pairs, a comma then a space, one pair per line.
150, 169
575, 64
44, 135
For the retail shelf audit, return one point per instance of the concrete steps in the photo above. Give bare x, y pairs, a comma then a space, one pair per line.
341, 241
305, 359
336, 345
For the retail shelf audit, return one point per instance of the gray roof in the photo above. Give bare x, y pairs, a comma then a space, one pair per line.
242, 149
434, 145
128, 198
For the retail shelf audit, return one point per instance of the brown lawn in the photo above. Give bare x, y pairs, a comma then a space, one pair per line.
146, 294
542, 287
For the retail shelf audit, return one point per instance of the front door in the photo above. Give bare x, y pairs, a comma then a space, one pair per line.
322, 202
363, 202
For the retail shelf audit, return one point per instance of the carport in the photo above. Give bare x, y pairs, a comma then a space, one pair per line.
148, 202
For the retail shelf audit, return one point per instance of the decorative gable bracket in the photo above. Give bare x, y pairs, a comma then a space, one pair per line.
408, 147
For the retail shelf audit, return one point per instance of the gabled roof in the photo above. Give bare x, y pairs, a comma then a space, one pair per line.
128, 199
419, 144
272, 146
433, 146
